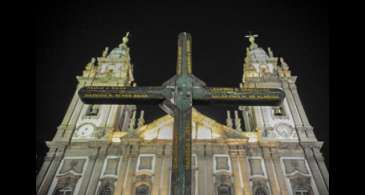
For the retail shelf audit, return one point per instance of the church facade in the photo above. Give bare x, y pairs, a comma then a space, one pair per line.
260, 150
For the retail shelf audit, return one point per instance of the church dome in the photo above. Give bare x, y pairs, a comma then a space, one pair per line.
118, 52
258, 55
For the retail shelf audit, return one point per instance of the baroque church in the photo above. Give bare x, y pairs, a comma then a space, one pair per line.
109, 149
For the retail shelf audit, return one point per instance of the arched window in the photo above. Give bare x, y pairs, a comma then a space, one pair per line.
224, 190
143, 190
63, 191
301, 192
106, 190
260, 191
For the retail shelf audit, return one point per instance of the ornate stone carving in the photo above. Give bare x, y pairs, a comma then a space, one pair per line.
282, 131
292, 165
75, 165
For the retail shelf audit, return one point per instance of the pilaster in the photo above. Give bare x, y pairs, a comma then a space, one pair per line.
99, 161
236, 173
165, 176
46, 164
71, 107
88, 173
157, 176
316, 173
49, 177
73, 121
122, 172
293, 109
279, 172
269, 165
321, 165
128, 183
298, 103
245, 172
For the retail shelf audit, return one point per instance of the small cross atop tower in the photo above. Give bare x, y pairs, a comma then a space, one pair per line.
251, 38
125, 39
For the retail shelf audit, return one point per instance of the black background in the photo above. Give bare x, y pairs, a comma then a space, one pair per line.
69, 34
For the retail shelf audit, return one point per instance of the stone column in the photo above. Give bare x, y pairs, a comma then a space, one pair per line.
316, 173
49, 177
279, 172
275, 188
87, 175
321, 165
46, 163
98, 165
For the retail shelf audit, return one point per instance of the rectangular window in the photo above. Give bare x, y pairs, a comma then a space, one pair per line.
146, 162
221, 162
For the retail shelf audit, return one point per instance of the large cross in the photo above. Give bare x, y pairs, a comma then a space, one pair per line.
177, 96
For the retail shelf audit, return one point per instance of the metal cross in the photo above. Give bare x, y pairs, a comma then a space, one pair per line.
176, 97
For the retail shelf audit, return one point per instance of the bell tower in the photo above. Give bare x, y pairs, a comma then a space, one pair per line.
287, 123
88, 129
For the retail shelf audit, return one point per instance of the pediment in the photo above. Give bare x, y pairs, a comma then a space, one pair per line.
203, 128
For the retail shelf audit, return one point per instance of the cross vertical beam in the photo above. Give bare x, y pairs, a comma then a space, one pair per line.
182, 144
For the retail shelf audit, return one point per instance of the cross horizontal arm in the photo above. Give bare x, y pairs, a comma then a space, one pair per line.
238, 96
121, 95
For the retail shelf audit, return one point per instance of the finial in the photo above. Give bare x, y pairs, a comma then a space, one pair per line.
132, 121
141, 119
237, 121
251, 38
283, 63
105, 52
130, 74
229, 119
125, 39
271, 54
90, 65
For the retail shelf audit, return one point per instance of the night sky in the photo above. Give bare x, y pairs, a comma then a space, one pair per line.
68, 35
